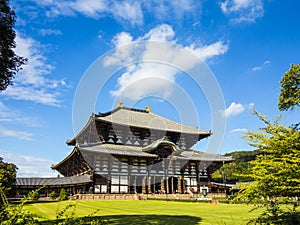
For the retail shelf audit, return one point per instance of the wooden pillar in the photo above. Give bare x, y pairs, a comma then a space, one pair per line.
154, 184
183, 184
149, 185
134, 184
167, 185
172, 184
130, 180
179, 185
144, 184
162, 185
198, 175
108, 183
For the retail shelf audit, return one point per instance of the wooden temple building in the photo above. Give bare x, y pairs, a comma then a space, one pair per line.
133, 151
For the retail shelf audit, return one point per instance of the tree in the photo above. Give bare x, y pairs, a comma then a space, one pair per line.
10, 63
276, 171
7, 181
7, 177
290, 89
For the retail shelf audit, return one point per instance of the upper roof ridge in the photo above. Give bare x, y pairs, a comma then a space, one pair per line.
119, 108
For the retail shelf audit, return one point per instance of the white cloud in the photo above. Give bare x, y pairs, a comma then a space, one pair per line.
256, 68
45, 32
128, 10
176, 9
239, 130
22, 135
124, 11
251, 105
155, 78
9, 115
32, 83
264, 65
233, 110
209, 51
29, 166
243, 10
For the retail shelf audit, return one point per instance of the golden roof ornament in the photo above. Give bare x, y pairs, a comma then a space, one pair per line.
148, 109
119, 104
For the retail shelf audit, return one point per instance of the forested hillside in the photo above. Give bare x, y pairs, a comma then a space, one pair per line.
238, 170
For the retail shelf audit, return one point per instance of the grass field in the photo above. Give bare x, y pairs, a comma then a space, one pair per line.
150, 212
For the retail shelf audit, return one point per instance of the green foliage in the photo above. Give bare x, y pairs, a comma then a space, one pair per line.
52, 195
67, 216
63, 195
15, 214
276, 215
34, 195
7, 178
276, 170
237, 171
10, 63
290, 89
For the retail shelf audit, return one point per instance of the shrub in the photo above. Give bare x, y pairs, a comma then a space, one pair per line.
15, 214
274, 214
63, 195
52, 195
34, 195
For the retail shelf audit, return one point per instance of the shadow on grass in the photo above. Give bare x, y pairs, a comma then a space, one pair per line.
139, 219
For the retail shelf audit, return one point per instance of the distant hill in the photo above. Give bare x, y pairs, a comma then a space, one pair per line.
243, 156
239, 169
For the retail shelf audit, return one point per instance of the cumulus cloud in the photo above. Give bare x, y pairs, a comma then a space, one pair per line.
29, 166
155, 78
32, 83
243, 10
233, 110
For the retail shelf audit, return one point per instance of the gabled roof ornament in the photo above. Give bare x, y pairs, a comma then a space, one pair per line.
119, 104
148, 109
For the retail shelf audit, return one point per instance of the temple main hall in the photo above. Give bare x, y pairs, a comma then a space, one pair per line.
133, 151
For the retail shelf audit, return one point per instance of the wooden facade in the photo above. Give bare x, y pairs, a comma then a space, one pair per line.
135, 151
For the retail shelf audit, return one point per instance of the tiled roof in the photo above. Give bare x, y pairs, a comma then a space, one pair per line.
117, 150
141, 152
53, 181
204, 156
144, 119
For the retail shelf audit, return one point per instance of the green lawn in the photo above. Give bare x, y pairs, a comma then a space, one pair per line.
150, 212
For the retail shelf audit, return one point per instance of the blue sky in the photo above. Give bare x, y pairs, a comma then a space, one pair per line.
246, 44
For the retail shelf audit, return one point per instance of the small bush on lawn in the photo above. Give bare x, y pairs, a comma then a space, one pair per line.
63, 195
52, 195
34, 195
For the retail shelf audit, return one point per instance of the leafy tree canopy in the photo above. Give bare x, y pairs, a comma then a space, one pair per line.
276, 171
290, 89
10, 63
7, 177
